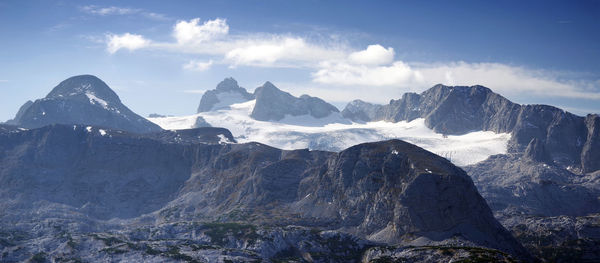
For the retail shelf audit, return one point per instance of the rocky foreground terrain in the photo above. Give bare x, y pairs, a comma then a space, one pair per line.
83, 193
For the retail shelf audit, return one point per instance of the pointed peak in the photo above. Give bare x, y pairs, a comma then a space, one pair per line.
228, 84
268, 84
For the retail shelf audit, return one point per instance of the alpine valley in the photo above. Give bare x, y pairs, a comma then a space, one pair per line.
453, 174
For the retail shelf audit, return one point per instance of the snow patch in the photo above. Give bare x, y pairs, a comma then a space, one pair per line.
228, 98
95, 100
223, 139
102, 132
89, 128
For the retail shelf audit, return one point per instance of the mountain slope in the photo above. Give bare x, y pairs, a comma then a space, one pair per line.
459, 109
226, 93
83, 99
390, 191
273, 104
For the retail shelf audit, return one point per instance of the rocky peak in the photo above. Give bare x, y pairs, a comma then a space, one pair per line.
273, 104
359, 110
226, 93
87, 86
83, 99
228, 84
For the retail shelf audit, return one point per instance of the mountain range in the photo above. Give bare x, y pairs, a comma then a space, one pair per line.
86, 179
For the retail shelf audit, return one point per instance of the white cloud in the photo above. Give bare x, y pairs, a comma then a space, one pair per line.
335, 64
279, 51
374, 55
126, 41
115, 10
343, 73
111, 10
503, 79
195, 65
190, 32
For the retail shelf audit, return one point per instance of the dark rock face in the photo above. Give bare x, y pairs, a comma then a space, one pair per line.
536, 151
272, 104
85, 100
459, 109
590, 157
388, 191
517, 184
228, 89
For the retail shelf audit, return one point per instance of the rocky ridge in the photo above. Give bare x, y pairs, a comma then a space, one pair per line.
389, 192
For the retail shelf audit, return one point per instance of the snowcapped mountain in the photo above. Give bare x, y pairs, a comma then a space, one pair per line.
273, 104
227, 92
83, 99
281, 120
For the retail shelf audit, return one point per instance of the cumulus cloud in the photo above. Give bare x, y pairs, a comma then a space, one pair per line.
505, 79
191, 32
374, 55
338, 66
343, 73
195, 65
126, 41
278, 51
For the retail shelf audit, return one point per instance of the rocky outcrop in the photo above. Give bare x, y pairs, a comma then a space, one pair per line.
361, 111
536, 151
273, 104
460, 109
389, 191
226, 93
590, 156
517, 184
84, 100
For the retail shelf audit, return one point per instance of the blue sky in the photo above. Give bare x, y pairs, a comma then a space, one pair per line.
160, 56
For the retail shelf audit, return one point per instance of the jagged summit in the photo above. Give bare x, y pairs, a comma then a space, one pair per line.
228, 84
83, 99
226, 93
273, 104
462, 109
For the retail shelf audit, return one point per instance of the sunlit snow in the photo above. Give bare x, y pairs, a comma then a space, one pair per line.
94, 100
335, 133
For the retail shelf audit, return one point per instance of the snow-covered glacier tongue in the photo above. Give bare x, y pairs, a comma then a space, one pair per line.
277, 118
334, 133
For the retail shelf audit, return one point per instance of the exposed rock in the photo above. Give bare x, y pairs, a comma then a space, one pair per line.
512, 184
156, 115
20, 113
358, 110
390, 191
459, 109
273, 104
559, 238
201, 122
83, 100
226, 93
590, 156
536, 151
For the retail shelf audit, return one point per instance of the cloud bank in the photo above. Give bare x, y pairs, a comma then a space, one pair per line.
340, 66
